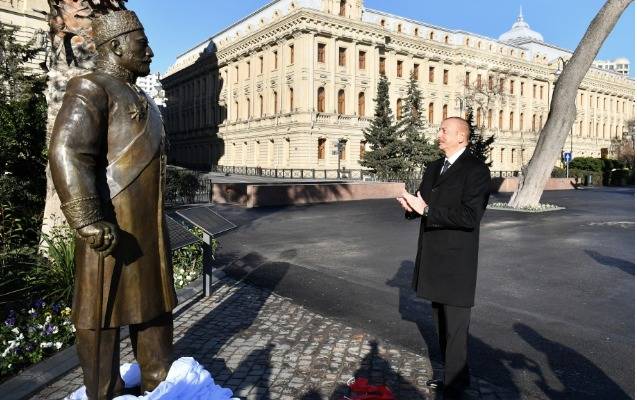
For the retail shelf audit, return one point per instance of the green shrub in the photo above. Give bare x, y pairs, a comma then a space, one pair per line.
188, 261
181, 186
587, 164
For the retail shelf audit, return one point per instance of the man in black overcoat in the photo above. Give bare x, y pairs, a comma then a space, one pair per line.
451, 199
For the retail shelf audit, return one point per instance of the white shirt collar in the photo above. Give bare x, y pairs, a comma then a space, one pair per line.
455, 156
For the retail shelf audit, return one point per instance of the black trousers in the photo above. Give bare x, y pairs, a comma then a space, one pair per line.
152, 343
452, 325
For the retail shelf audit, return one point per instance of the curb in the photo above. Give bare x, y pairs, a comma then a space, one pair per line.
40, 375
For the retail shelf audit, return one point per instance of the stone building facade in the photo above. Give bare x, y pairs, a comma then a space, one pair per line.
29, 16
281, 87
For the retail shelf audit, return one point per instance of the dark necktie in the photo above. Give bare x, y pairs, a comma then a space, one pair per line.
445, 167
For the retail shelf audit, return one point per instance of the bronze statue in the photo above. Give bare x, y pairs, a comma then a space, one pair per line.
108, 166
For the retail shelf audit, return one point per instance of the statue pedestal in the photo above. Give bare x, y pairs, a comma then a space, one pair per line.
187, 379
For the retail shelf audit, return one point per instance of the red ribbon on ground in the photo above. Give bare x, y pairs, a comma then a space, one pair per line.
362, 390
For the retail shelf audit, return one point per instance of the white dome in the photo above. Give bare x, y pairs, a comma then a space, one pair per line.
621, 60
520, 32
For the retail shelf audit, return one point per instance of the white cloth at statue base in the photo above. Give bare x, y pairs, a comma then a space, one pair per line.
186, 379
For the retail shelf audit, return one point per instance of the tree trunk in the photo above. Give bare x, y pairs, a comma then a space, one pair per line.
563, 110
72, 53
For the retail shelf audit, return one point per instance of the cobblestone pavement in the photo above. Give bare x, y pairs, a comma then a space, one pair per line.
263, 346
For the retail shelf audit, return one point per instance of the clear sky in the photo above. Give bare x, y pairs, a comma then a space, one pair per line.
173, 27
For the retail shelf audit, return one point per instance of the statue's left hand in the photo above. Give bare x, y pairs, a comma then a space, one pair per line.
101, 236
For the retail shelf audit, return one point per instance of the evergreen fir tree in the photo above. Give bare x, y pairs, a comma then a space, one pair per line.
383, 158
479, 145
416, 149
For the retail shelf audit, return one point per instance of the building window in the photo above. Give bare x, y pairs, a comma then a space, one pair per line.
399, 68
291, 100
260, 106
479, 117
382, 23
501, 88
320, 101
502, 155
399, 109
361, 104
260, 64
511, 121
521, 122
321, 53
479, 81
416, 71
500, 119
341, 101
275, 54
467, 78
445, 77
342, 53
416, 31
430, 114
431, 74
521, 88
361, 149
400, 28
248, 68
541, 124
381, 66
533, 123
490, 119
490, 82
534, 90
361, 60
321, 148
512, 156
446, 39
291, 54
444, 112
236, 110
276, 102
511, 86
342, 154
236, 74
341, 11
248, 104
431, 35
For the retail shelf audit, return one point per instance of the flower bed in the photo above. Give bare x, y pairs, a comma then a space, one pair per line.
29, 336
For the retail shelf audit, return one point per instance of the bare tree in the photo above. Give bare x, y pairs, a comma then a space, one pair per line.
72, 53
562, 112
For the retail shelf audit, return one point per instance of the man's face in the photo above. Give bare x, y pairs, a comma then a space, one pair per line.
136, 53
450, 139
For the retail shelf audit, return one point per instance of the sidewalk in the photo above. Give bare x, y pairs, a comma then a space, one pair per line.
263, 346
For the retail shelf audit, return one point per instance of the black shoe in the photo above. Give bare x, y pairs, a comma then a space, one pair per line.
435, 384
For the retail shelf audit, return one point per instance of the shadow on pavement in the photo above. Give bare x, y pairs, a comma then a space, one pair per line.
380, 372
204, 339
608, 261
593, 384
416, 310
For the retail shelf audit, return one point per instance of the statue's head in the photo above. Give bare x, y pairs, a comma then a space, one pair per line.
119, 37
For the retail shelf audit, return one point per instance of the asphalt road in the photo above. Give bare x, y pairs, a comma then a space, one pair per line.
554, 314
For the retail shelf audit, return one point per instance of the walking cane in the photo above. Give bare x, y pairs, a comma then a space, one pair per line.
98, 322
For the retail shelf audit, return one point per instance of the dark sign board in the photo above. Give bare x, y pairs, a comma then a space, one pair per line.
207, 219
179, 235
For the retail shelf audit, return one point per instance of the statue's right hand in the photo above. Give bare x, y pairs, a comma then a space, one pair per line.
102, 236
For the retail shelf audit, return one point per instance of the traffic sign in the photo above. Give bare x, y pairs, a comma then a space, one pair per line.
568, 157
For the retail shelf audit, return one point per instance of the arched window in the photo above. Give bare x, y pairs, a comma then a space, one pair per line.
320, 100
400, 28
260, 106
361, 104
430, 114
249, 109
444, 112
533, 123
521, 121
431, 35
490, 119
341, 101
399, 109
416, 31
276, 102
291, 100
500, 117
382, 23
446, 39
511, 121
342, 8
